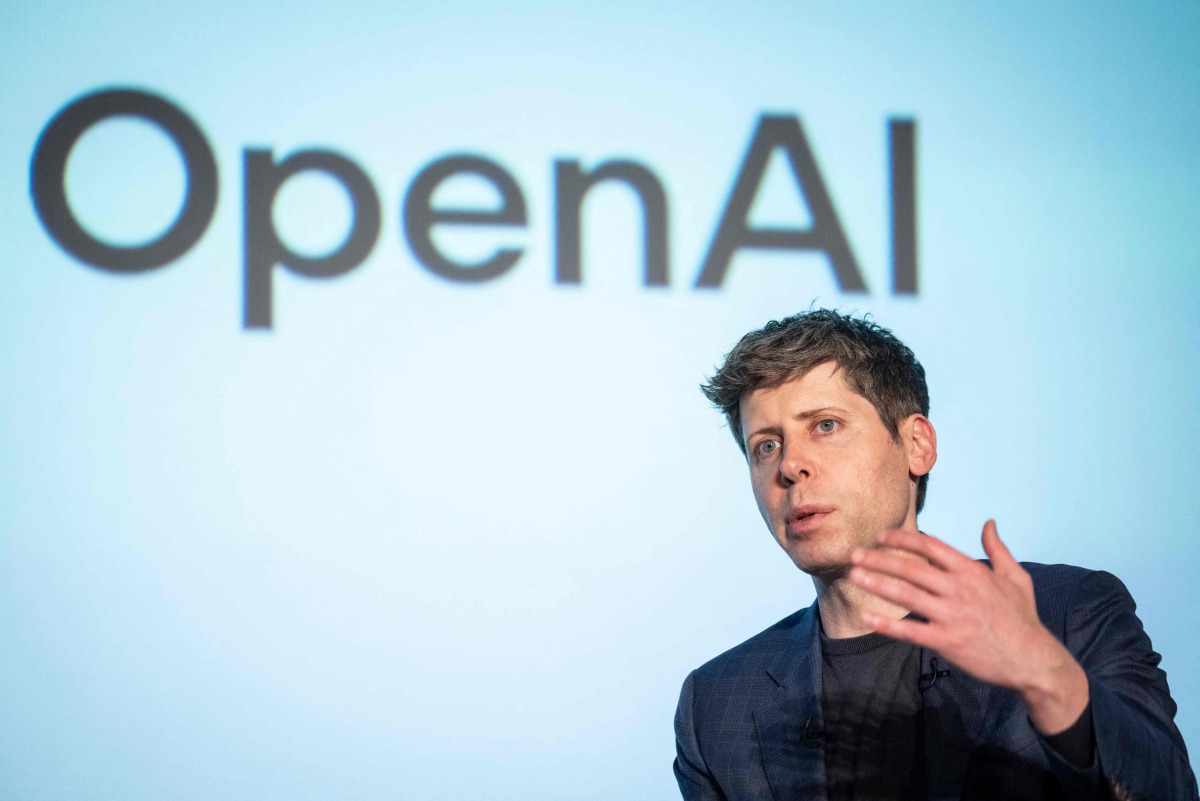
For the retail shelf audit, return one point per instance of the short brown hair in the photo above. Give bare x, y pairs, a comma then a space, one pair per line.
874, 364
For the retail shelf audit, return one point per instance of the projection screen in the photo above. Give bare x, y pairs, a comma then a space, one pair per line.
352, 445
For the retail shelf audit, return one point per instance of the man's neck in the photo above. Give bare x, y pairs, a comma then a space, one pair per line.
841, 605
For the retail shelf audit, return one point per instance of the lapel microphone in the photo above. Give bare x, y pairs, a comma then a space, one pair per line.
811, 735
930, 679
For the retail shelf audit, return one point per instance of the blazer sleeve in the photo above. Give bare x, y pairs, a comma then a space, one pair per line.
1140, 753
695, 782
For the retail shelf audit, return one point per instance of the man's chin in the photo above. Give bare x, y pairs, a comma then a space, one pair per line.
826, 567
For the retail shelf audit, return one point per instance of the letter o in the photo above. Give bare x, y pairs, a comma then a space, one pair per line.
49, 168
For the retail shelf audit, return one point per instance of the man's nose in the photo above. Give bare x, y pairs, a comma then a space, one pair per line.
795, 464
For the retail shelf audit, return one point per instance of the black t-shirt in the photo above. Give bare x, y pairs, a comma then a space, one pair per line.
873, 732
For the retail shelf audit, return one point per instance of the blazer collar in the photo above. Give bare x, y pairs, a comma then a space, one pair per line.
797, 664
790, 725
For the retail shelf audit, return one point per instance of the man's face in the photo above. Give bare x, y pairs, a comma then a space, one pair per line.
827, 475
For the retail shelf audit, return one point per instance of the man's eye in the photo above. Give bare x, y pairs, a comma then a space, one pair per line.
827, 426
767, 447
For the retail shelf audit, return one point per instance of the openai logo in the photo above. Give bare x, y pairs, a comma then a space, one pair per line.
265, 174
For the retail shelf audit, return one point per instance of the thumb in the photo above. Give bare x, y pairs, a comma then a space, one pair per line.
1002, 561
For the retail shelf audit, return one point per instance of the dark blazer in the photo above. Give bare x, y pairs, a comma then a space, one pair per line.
748, 726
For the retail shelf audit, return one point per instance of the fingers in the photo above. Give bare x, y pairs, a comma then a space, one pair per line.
923, 585
899, 592
912, 631
914, 571
937, 552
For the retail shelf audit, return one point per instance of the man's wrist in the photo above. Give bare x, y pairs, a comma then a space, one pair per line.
1056, 694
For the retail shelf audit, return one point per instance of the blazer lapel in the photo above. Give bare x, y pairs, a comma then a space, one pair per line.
790, 726
954, 705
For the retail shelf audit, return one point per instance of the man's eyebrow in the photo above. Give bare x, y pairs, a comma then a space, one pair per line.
808, 414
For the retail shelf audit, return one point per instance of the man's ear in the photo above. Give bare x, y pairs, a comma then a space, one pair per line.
922, 444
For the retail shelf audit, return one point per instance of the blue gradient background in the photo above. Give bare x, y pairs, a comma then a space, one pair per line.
434, 541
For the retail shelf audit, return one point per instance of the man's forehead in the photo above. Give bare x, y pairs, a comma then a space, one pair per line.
823, 376
822, 385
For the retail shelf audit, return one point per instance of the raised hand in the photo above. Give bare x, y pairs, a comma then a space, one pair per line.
983, 619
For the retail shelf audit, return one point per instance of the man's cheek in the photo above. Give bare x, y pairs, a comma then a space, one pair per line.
764, 509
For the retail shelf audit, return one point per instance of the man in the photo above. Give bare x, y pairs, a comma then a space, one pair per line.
918, 673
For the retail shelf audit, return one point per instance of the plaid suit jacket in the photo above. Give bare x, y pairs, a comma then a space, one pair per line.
748, 723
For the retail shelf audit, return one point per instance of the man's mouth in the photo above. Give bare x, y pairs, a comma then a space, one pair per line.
805, 518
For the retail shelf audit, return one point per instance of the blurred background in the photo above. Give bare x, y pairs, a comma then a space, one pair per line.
433, 539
